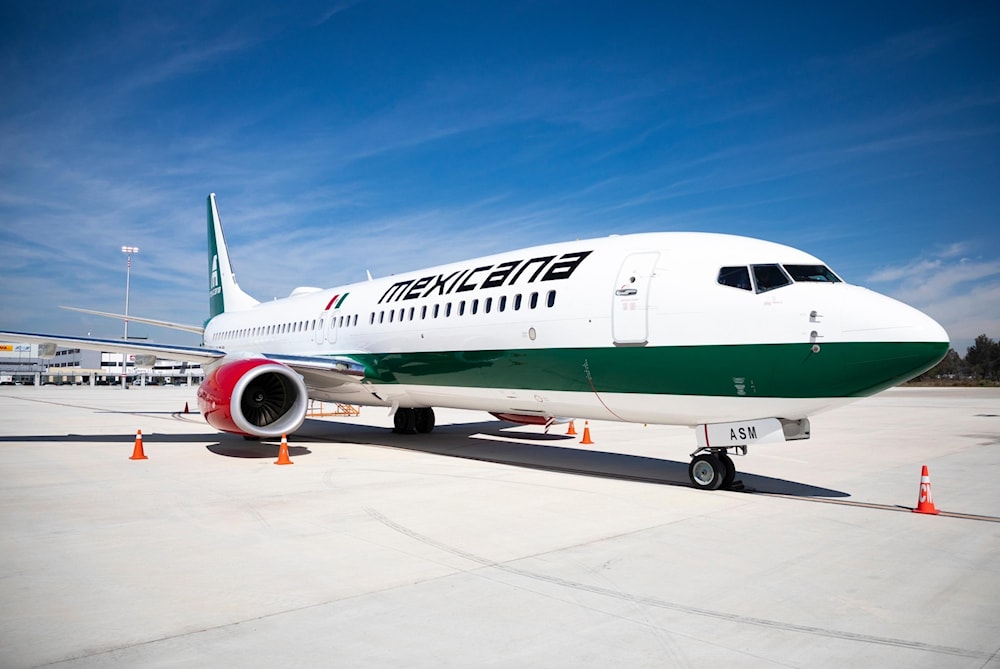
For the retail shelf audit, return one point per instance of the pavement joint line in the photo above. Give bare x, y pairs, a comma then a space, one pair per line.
674, 606
873, 505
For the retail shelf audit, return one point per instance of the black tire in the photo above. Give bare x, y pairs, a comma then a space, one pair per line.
405, 421
706, 471
730, 467
424, 420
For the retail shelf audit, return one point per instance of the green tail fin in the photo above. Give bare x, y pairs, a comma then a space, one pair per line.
223, 291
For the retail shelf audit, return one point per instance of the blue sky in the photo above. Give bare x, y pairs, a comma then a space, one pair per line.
342, 137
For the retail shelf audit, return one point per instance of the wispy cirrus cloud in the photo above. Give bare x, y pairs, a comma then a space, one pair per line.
339, 140
961, 291
335, 9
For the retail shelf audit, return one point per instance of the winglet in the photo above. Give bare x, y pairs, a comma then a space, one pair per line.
224, 294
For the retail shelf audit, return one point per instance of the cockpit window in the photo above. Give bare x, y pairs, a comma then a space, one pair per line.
769, 277
811, 273
737, 277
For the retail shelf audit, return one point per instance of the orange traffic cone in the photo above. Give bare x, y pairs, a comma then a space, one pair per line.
137, 452
586, 433
186, 410
572, 429
283, 458
925, 502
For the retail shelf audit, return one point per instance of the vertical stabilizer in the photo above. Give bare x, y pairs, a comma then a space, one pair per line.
224, 294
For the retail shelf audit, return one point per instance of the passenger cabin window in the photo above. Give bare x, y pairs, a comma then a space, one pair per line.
820, 273
737, 277
769, 277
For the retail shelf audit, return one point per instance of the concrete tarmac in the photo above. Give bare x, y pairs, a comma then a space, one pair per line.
485, 544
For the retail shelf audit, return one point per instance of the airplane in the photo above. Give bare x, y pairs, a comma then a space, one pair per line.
739, 338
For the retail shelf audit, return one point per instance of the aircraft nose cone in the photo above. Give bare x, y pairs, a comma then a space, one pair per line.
907, 340
871, 316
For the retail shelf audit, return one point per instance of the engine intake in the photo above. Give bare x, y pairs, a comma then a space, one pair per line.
254, 397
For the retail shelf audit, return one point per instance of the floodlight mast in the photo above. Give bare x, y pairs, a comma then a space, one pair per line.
128, 251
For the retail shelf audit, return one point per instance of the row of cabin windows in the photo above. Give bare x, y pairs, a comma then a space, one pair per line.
463, 307
287, 328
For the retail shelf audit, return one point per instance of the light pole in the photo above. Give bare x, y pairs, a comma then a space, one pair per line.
128, 251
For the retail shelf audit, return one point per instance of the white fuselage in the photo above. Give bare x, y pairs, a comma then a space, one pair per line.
452, 335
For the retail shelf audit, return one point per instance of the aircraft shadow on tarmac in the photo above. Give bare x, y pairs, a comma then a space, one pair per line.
491, 441
254, 449
150, 440
487, 441
122, 438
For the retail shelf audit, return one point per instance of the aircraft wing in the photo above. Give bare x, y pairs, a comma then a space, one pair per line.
148, 321
164, 351
326, 372
319, 372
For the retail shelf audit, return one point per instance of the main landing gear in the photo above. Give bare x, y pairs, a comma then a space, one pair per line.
713, 468
413, 421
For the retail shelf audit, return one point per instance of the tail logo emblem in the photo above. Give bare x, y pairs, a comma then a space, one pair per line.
215, 289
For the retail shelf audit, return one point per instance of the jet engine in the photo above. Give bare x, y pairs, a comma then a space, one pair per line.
254, 397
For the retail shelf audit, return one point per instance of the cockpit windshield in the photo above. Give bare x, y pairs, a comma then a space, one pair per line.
771, 276
737, 277
811, 273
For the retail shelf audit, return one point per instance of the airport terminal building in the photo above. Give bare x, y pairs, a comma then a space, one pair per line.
24, 364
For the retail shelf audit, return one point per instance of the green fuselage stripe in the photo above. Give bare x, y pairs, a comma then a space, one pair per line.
761, 370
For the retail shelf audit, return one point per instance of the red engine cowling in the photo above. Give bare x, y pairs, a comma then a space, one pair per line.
254, 397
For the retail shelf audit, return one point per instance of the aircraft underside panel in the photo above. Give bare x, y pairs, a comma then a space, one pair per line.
630, 407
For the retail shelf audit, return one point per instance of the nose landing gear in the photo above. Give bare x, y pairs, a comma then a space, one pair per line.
712, 468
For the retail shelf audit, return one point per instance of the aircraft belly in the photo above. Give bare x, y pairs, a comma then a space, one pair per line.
628, 407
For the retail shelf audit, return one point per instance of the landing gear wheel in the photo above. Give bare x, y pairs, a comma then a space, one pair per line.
424, 420
405, 421
730, 467
707, 471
